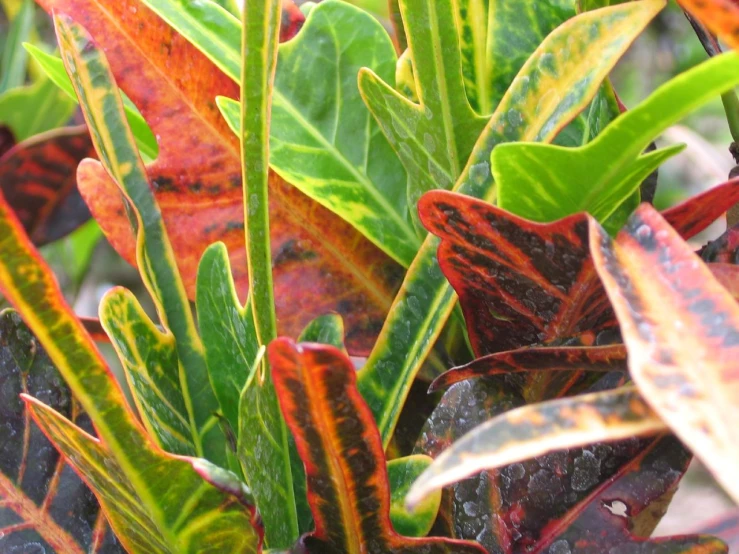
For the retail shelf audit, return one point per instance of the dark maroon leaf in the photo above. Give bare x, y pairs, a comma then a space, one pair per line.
7, 140
724, 249
44, 506
38, 179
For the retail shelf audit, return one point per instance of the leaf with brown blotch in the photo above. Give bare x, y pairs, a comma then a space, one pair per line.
523, 360
681, 329
720, 16
37, 178
531, 506
341, 449
43, 503
522, 283
197, 177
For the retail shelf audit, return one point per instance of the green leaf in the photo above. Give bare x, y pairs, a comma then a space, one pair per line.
34, 109
402, 473
14, 58
263, 435
435, 137
325, 329
545, 183
54, 69
149, 359
547, 93
103, 111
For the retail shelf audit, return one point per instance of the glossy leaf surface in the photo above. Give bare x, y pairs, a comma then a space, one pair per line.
43, 503
37, 178
342, 451
315, 143
426, 300
195, 167
545, 183
658, 288
720, 16
537, 429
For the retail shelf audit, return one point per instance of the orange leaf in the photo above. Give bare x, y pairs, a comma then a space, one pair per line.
720, 16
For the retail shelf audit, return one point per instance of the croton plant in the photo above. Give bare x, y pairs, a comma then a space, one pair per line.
410, 294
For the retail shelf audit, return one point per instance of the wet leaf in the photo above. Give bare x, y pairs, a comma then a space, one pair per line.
513, 509
314, 142
426, 300
44, 504
523, 283
659, 288
720, 16
342, 451
545, 183
38, 180
310, 246
537, 429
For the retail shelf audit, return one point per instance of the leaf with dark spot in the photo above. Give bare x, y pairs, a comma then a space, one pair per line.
38, 179
341, 449
681, 329
43, 503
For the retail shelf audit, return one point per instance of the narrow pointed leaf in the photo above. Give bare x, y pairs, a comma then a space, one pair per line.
103, 111
37, 487
538, 429
13, 63
37, 178
174, 86
524, 360
433, 138
720, 16
342, 451
165, 485
426, 300
659, 288
149, 359
545, 183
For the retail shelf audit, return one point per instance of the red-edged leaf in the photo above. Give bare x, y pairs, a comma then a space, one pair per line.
341, 449
543, 505
522, 283
7, 140
524, 360
681, 328
197, 177
37, 178
44, 506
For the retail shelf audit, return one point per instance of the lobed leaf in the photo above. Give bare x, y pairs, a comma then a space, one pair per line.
545, 183
193, 168
342, 451
37, 178
658, 288
43, 503
425, 300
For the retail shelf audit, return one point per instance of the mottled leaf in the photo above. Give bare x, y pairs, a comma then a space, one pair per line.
513, 509
43, 503
310, 246
38, 180
315, 141
342, 451
528, 359
523, 283
537, 429
426, 300
720, 16
191, 515
545, 182
659, 288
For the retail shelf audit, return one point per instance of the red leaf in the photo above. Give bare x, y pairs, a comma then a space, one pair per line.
198, 181
341, 448
37, 178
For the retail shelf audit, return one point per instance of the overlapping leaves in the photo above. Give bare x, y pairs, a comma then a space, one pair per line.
720, 16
